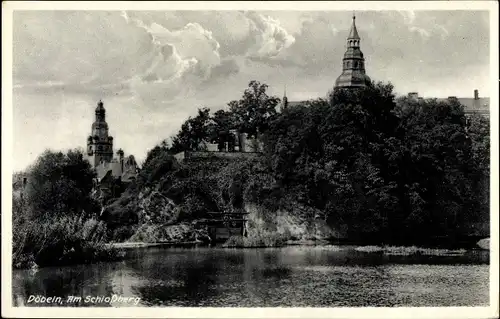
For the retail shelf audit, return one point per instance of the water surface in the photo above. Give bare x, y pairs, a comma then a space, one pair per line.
295, 276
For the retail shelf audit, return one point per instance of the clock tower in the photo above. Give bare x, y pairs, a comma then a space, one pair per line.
99, 143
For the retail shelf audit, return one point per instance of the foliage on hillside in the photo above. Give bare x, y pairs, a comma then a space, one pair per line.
360, 164
378, 167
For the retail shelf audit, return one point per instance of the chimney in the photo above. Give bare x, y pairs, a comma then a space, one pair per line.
476, 94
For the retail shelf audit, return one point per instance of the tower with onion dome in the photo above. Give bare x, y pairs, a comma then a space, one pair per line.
353, 64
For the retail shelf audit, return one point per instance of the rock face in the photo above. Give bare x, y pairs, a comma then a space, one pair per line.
158, 209
159, 219
300, 223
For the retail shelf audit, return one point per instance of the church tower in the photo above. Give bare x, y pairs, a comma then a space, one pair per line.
353, 67
99, 143
284, 102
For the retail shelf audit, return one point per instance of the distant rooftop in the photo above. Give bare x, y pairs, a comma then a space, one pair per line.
474, 104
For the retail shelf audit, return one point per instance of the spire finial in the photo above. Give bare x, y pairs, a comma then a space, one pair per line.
284, 91
353, 15
353, 34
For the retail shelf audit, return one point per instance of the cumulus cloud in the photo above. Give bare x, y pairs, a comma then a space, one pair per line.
318, 46
154, 69
186, 49
228, 66
270, 36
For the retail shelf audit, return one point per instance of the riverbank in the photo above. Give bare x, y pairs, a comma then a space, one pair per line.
387, 249
132, 245
117, 251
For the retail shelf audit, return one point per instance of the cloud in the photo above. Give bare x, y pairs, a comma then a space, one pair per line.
421, 31
408, 16
318, 46
444, 32
154, 69
108, 53
270, 37
227, 67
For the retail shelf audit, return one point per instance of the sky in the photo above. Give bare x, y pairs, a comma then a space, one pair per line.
154, 69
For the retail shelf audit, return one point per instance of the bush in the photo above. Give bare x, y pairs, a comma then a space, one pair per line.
122, 233
60, 241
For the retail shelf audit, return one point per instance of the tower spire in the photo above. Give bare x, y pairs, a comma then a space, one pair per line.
284, 102
100, 112
353, 35
353, 67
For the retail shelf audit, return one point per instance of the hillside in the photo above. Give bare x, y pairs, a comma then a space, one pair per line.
360, 166
170, 197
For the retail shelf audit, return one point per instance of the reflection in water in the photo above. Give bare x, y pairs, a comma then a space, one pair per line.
273, 277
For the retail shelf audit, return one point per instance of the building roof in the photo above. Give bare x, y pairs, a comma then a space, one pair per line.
100, 107
471, 105
352, 79
354, 31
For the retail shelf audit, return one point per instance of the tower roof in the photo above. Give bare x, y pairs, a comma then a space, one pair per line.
354, 31
100, 106
353, 63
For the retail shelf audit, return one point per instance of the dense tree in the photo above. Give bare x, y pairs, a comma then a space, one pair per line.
379, 168
255, 109
155, 152
193, 132
60, 183
391, 168
251, 114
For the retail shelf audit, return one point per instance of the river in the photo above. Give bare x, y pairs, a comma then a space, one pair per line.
293, 276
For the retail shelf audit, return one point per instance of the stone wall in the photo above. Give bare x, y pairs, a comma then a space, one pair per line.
207, 154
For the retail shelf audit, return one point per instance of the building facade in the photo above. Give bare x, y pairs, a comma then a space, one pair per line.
100, 153
472, 105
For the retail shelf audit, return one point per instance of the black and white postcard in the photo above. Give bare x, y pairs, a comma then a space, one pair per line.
250, 159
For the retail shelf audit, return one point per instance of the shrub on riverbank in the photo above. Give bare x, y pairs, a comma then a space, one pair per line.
54, 215
60, 241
